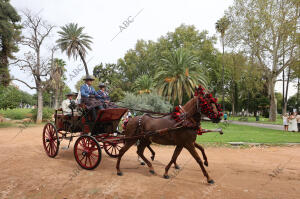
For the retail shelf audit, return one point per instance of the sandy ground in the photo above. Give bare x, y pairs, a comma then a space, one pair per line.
26, 172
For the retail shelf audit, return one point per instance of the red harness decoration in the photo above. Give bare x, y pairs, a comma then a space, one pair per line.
176, 114
200, 131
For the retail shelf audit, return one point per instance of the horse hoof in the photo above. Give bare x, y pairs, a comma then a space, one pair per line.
177, 167
152, 158
142, 163
211, 182
152, 171
206, 163
119, 173
166, 177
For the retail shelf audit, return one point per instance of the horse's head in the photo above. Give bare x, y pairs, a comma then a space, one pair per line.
206, 104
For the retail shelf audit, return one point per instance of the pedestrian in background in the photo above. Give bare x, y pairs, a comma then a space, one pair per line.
285, 122
298, 121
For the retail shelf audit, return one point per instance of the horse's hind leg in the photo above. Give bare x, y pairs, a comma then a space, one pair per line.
141, 148
198, 146
191, 148
177, 151
122, 151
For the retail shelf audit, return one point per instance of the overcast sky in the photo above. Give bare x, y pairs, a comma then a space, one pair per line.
102, 19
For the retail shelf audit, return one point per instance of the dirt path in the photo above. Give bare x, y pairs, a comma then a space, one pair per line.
258, 173
256, 124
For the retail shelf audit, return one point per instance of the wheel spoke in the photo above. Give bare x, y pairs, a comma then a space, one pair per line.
85, 160
90, 161
95, 155
109, 148
82, 158
50, 149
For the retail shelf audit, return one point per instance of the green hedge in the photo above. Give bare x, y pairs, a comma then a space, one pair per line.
16, 114
47, 113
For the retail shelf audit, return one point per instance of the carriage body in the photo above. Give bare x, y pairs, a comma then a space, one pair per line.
87, 148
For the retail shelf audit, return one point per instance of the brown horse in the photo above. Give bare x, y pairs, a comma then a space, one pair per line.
180, 137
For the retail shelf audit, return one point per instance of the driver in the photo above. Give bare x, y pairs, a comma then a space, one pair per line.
89, 97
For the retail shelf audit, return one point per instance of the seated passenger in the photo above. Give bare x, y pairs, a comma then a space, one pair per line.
66, 104
89, 96
104, 97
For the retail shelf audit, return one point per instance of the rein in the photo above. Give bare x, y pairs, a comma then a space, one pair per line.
146, 111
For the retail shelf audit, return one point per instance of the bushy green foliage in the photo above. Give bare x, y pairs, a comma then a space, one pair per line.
47, 113
116, 95
152, 102
11, 97
16, 114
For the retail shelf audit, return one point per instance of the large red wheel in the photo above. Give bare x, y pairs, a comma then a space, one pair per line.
50, 140
112, 146
87, 152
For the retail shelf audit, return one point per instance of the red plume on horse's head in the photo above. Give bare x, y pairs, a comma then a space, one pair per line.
199, 90
205, 101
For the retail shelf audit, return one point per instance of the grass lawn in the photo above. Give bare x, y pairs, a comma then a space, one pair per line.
253, 119
241, 133
16, 114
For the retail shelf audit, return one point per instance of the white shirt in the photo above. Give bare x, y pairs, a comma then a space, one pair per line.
65, 107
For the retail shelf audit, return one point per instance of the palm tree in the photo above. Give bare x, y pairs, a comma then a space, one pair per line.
74, 42
143, 84
180, 74
221, 26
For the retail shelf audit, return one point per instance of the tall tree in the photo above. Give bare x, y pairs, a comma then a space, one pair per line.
221, 26
37, 30
74, 42
57, 78
260, 27
10, 32
179, 75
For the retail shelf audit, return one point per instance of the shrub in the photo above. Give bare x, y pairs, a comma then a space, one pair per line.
47, 113
152, 102
15, 114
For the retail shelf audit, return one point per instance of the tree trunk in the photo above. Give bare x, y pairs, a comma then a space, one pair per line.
273, 105
223, 89
4, 73
298, 90
283, 98
84, 63
39, 116
287, 89
56, 98
233, 106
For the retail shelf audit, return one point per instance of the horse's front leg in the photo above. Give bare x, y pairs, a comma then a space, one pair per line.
191, 148
122, 151
176, 153
198, 146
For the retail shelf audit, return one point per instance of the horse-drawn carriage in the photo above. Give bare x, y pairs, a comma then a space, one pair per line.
92, 136
179, 128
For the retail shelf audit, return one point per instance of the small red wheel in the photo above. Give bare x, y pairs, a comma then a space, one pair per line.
50, 140
112, 146
87, 152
